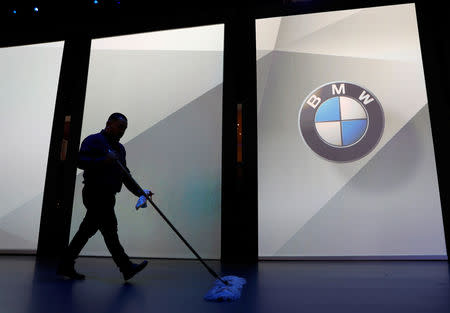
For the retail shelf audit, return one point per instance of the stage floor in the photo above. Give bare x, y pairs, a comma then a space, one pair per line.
167, 286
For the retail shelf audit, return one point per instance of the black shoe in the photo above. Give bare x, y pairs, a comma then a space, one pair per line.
68, 270
133, 270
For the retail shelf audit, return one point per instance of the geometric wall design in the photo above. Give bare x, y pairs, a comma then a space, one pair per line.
385, 204
28, 85
169, 85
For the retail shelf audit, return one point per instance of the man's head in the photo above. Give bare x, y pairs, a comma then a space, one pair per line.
116, 125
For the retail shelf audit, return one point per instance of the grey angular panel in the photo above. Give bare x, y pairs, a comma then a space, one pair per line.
263, 70
388, 32
179, 158
14, 242
28, 87
24, 222
391, 207
147, 86
289, 172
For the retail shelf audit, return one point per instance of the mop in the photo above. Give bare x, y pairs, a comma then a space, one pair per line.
226, 288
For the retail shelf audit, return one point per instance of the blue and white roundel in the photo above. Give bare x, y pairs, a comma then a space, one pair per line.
341, 121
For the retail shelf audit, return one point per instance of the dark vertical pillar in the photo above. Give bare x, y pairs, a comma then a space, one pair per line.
61, 168
239, 179
435, 45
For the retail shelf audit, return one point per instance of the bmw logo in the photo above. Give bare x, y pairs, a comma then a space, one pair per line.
341, 122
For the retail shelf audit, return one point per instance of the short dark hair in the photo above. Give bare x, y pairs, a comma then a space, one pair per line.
116, 116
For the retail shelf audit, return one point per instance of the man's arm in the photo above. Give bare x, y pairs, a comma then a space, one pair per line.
131, 185
127, 180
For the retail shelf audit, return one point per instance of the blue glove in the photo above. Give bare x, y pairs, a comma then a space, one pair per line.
142, 201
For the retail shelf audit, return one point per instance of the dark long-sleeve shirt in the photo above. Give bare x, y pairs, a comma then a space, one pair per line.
99, 174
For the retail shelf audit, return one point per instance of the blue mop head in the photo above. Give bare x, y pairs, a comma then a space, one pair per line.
221, 292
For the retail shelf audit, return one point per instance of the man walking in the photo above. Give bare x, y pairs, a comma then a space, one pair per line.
103, 178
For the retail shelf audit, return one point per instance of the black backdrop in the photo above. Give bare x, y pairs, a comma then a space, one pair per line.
77, 22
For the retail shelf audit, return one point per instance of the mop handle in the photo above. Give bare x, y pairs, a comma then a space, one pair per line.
210, 270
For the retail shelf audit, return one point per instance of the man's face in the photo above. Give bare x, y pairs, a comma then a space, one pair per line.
116, 128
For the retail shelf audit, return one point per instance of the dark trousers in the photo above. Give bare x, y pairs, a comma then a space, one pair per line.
100, 215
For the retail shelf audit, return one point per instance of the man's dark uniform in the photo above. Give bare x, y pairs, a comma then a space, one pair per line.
102, 180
